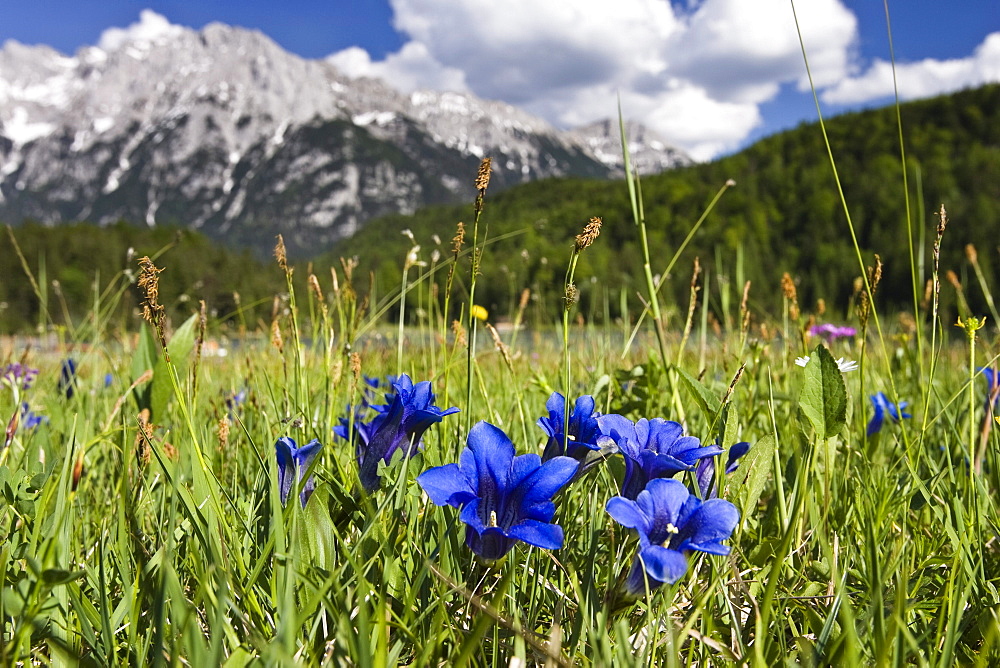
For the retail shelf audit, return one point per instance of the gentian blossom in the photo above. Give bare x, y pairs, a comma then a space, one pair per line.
18, 375
831, 332
882, 405
705, 472
67, 377
235, 400
399, 425
992, 377
293, 462
583, 429
671, 522
502, 498
30, 419
654, 448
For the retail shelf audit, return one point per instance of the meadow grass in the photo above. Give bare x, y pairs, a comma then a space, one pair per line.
144, 523
160, 538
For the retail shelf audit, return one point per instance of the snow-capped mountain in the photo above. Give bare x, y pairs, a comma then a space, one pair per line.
222, 130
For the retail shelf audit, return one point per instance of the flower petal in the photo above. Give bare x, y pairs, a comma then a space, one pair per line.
539, 534
446, 485
494, 457
663, 564
545, 481
711, 523
627, 513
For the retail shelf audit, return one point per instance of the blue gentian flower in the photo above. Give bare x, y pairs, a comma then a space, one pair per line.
30, 419
108, 379
652, 449
234, 400
400, 424
20, 375
293, 462
992, 377
503, 498
671, 522
705, 471
882, 405
67, 377
583, 428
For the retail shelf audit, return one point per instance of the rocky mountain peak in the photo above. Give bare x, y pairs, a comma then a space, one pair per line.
224, 130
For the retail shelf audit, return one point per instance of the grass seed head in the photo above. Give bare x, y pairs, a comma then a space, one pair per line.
590, 232
280, 254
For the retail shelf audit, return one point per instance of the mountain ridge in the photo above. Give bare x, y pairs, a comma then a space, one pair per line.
174, 125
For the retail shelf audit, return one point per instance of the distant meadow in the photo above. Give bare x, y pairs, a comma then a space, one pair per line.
431, 462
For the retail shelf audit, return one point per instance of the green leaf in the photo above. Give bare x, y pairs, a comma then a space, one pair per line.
143, 360
59, 576
316, 532
180, 346
747, 482
701, 394
824, 396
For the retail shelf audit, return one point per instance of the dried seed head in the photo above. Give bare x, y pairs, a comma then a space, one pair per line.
276, 339
355, 364
316, 289
942, 221
572, 296
153, 311
149, 283
349, 264
953, 279
971, 254
483, 176
280, 255
223, 431
458, 239
459, 332
788, 287
525, 296
875, 274
337, 372
589, 234
143, 436
745, 308
501, 346
820, 306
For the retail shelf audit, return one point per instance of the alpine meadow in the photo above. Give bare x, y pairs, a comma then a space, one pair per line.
741, 412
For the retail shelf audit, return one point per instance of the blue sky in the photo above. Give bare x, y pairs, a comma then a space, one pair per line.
710, 75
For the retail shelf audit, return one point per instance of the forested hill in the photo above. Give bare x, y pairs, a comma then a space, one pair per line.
785, 213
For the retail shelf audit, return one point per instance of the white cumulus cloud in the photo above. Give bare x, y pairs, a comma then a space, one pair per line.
149, 28
696, 72
921, 79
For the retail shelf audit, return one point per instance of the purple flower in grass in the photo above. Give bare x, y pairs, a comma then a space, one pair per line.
654, 448
67, 377
584, 430
830, 332
293, 462
399, 425
18, 375
503, 498
705, 471
671, 522
882, 405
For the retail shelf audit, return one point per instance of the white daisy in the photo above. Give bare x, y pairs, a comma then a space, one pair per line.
843, 364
